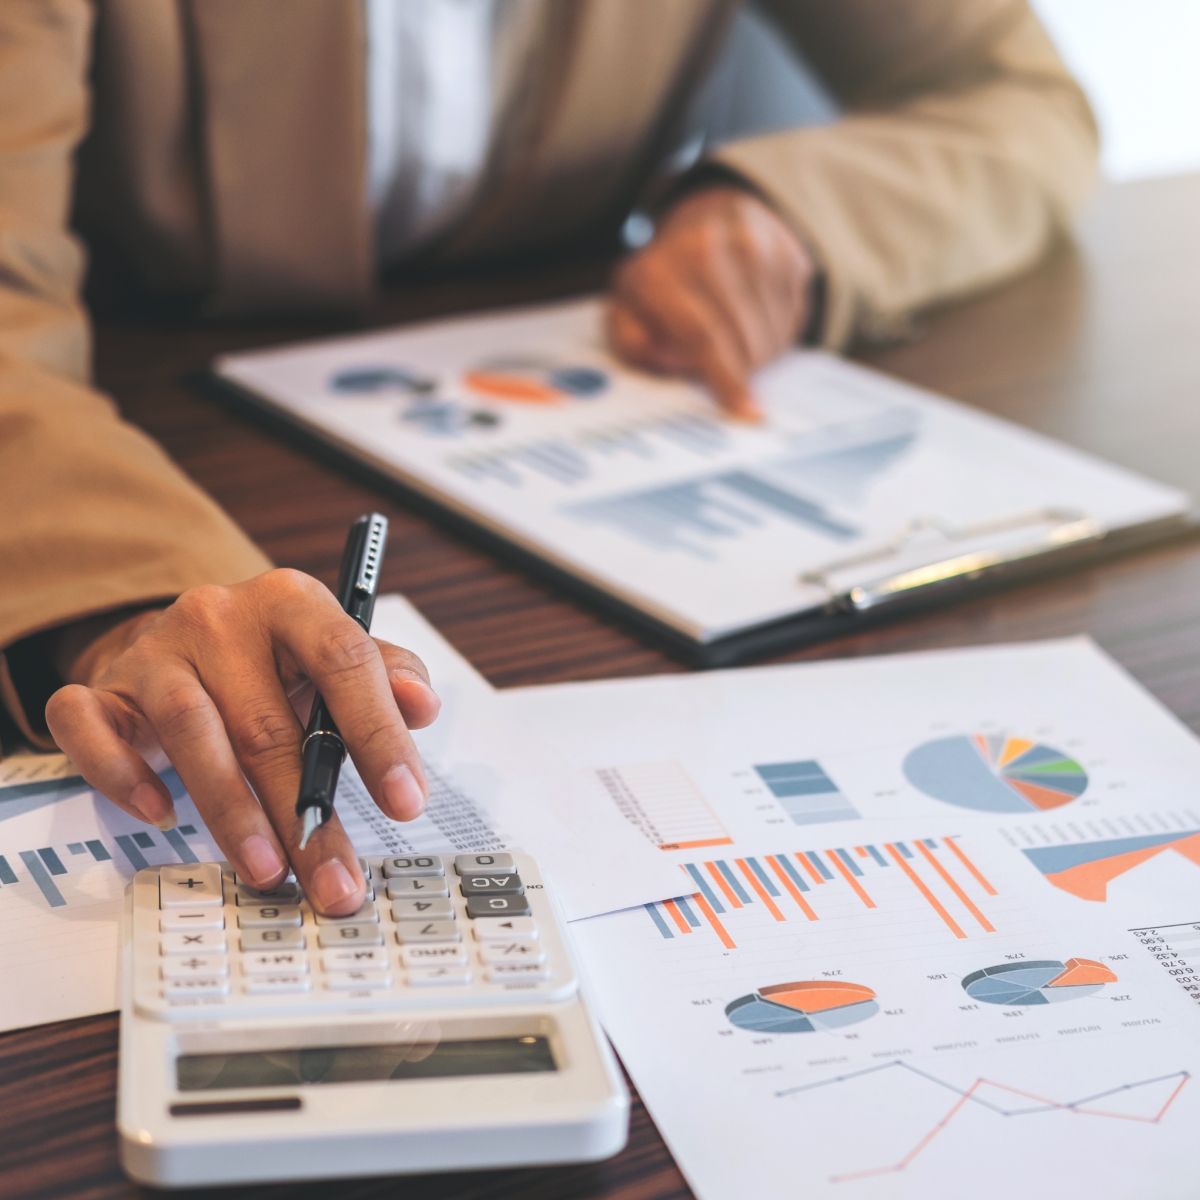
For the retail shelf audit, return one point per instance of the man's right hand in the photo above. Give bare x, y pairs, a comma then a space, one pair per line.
216, 681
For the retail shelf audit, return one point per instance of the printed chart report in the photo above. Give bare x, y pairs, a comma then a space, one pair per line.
932, 942
524, 422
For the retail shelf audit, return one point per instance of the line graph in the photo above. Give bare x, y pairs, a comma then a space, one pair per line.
975, 1093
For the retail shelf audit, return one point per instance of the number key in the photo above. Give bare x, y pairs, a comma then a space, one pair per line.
274, 916
272, 939
329, 936
422, 910
413, 865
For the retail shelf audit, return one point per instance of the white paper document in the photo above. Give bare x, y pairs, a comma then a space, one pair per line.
66, 853
524, 422
938, 931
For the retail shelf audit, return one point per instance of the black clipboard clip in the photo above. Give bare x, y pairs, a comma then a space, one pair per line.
965, 553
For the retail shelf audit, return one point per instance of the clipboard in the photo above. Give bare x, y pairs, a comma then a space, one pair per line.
969, 560
630, 494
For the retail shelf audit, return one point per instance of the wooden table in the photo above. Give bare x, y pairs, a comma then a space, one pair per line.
1099, 346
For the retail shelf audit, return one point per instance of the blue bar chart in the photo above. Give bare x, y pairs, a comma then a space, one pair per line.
45, 866
805, 792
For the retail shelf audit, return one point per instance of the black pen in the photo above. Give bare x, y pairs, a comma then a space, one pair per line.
322, 751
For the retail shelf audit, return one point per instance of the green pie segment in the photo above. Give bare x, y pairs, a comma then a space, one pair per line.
995, 773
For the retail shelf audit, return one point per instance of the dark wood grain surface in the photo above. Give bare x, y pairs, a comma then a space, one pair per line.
1100, 346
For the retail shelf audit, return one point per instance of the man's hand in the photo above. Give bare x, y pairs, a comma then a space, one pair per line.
215, 681
721, 290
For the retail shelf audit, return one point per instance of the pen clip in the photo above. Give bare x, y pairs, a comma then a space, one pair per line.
967, 560
374, 541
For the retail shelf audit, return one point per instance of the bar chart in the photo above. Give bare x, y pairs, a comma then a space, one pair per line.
935, 877
805, 792
571, 459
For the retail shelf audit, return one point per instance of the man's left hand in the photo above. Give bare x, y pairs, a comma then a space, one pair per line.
723, 288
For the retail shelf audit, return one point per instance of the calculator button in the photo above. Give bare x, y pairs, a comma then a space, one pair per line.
285, 893
408, 932
288, 878
272, 939
364, 865
511, 929
438, 976
176, 920
349, 935
494, 953
275, 962
347, 981
351, 958
432, 956
517, 972
194, 941
193, 966
206, 985
488, 885
364, 914
484, 864
266, 985
497, 906
434, 909
190, 886
270, 916
405, 888
413, 865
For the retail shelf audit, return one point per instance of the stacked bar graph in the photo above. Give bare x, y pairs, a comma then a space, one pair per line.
805, 792
933, 876
45, 866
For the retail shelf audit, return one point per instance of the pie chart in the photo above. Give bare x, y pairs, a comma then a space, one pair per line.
802, 1007
1043, 982
534, 381
995, 773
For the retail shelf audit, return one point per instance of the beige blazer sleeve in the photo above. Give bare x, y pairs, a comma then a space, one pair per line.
965, 146
93, 516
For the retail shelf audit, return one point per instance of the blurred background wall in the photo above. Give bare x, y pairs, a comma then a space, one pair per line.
1138, 59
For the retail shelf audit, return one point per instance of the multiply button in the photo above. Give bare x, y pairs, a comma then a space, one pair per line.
190, 886
484, 864
488, 885
194, 941
497, 906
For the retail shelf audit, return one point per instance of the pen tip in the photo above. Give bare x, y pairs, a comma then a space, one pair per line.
312, 822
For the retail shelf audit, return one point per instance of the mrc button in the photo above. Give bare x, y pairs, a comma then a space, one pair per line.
508, 884
498, 906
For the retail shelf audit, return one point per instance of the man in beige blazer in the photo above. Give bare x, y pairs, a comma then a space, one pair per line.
220, 149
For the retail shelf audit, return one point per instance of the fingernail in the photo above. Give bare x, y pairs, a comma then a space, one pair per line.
152, 806
261, 861
403, 795
333, 885
419, 691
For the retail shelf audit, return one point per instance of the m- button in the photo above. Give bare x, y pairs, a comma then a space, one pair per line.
197, 885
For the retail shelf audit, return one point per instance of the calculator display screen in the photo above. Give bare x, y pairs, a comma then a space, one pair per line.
362, 1064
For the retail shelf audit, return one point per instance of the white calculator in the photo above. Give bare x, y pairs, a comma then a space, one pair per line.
441, 1027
